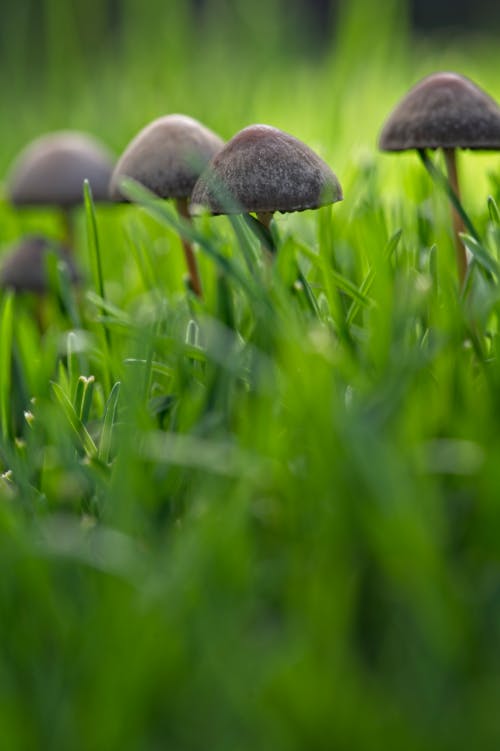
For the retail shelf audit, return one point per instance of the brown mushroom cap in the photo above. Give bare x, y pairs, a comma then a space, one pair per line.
52, 168
262, 169
24, 270
444, 110
167, 156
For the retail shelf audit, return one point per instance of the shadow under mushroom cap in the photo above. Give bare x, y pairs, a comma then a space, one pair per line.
167, 156
263, 169
444, 110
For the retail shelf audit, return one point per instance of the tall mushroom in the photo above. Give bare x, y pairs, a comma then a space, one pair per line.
51, 169
167, 157
445, 111
24, 267
262, 170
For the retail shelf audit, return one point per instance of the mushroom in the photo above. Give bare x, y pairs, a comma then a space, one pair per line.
167, 157
262, 170
24, 270
50, 172
446, 111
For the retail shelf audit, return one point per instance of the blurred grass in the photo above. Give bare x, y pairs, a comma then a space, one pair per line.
269, 520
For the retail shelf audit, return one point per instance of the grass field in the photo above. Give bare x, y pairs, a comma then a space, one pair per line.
269, 519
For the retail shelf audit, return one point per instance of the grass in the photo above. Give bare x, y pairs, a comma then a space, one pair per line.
269, 519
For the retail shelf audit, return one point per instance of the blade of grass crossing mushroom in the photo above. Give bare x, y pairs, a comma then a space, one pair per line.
260, 228
238, 222
6, 332
165, 215
438, 176
460, 216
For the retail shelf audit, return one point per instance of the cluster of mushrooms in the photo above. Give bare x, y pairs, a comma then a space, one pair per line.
260, 171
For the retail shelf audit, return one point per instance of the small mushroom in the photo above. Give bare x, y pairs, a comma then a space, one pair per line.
24, 270
167, 157
445, 111
262, 170
50, 172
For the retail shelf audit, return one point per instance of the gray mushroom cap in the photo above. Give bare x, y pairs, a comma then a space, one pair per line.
262, 169
24, 268
444, 110
167, 156
52, 168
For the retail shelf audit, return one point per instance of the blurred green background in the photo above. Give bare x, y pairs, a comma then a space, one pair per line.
312, 560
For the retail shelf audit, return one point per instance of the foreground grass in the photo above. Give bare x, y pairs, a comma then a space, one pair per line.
270, 519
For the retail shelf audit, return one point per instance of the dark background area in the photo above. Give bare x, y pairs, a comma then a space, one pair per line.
98, 25
424, 15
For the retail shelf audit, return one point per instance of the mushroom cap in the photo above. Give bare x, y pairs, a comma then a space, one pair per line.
51, 170
263, 169
167, 156
24, 270
444, 110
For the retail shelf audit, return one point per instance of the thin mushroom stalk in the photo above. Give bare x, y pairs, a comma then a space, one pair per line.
458, 224
68, 225
194, 276
265, 218
267, 245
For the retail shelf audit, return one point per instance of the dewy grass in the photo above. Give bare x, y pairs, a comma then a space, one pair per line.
268, 519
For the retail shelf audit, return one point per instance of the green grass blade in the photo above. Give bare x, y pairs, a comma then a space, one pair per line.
367, 282
93, 241
108, 424
441, 180
493, 211
98, 278
83, 398
6, 335
481, 255
84, 438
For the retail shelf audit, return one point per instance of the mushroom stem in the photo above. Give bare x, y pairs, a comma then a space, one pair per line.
41, 317
264, 217
458, 224
68, 225
194, 277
